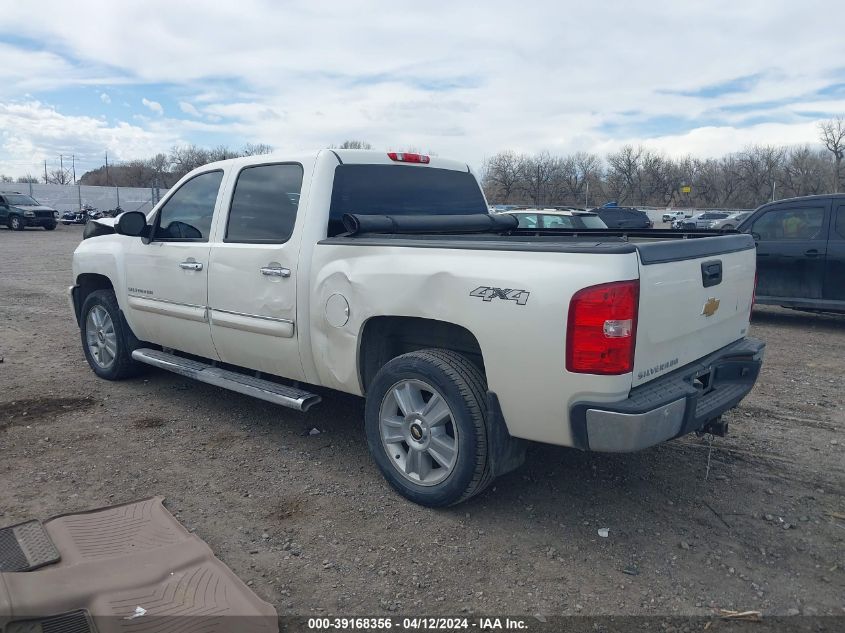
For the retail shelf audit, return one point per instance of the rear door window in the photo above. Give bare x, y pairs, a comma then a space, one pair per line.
790, 224
527, 220
557, 222
264, 204
402, 190
187, 214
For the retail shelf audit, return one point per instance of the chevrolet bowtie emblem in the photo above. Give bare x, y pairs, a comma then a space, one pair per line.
710, 307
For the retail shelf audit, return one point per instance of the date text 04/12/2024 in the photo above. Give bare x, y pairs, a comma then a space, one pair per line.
417, 624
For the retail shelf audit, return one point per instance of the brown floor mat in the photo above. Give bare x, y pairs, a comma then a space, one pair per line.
125, 568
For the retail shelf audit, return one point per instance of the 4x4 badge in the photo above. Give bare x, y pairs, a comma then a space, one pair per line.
508, 294
710, 307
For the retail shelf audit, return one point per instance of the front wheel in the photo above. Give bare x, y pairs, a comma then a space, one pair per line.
425, 420
16, 223
50, 227
104, 337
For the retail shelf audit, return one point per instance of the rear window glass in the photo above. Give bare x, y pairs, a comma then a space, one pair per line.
402, 190
264, 204
592, 222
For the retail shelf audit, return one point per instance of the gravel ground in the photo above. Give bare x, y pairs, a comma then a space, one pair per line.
309, 523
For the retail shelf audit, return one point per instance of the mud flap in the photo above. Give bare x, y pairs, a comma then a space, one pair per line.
507, 453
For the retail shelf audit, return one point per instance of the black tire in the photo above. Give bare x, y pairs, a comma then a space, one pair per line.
16, 223
122, 366
50, 227
464, 388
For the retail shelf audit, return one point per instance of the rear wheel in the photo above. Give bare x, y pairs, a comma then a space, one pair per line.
105, 338
50, 227
426, 427
16, 223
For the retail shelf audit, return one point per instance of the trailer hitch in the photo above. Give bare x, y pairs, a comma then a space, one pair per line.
716, 426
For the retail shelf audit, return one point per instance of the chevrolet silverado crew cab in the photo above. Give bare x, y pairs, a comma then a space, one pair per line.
383, 275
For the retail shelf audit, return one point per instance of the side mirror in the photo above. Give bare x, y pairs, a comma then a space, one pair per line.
756, 236
132, 223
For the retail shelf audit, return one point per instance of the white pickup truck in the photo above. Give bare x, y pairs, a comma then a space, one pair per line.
382, 275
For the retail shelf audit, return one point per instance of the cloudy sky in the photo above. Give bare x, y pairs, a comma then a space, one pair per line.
457, 78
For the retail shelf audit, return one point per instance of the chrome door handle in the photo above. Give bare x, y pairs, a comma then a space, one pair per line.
275, 272
190, 265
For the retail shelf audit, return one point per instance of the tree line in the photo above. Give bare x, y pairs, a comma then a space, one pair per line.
638, 176
163, 170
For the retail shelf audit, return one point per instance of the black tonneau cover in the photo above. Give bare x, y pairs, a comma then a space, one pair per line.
500, 232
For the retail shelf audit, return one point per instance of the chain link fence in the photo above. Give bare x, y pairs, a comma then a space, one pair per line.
72, 197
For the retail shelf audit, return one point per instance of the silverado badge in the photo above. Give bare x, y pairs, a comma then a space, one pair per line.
710, 307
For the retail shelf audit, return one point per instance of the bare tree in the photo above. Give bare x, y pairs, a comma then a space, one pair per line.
60, 177
187, 158
256, 149
353, 144
623, 173
803, 171
833, 136
537, 174
501, 176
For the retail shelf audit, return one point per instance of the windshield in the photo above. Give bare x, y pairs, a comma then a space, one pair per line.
15, 199
402, 190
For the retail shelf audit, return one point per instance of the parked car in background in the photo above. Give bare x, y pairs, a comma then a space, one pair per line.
730, 222
703, 221
558, 219
18, 211
671, 216
624, 218
800, 252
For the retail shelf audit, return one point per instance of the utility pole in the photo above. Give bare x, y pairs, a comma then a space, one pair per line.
62, 169
107, 169
45, 171
73, 164
587, 196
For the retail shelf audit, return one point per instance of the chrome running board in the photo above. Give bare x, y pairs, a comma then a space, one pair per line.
248, 385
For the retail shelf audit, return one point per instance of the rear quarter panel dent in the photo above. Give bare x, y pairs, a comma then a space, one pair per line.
523, 345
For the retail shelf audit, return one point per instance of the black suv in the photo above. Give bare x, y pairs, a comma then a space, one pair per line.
18, 211
800, 252
624, 218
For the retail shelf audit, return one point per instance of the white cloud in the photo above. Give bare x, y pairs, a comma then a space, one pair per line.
188, 108
105, 98
33, 131
544, 75
155, 106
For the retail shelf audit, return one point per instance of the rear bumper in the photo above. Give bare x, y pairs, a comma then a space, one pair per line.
672, 405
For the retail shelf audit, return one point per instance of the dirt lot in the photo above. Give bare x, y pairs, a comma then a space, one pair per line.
309, 523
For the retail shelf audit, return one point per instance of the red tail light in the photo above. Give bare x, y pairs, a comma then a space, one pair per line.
602, 329
409, 158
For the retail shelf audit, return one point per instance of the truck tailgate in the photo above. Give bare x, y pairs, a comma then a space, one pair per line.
695, 298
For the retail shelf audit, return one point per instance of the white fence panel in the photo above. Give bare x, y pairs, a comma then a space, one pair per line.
71, 197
